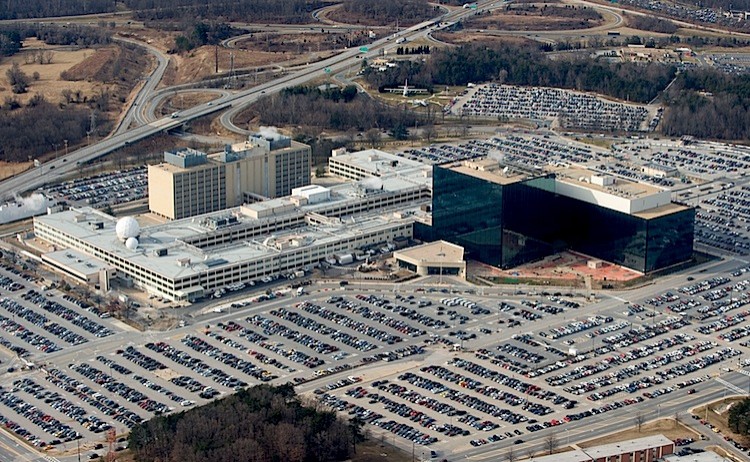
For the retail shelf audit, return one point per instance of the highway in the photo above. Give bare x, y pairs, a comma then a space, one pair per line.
53, 171
147, 88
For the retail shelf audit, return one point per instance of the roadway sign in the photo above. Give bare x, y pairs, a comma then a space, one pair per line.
327, 70
364, 49
473, 7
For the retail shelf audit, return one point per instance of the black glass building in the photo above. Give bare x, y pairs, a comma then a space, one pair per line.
506, 222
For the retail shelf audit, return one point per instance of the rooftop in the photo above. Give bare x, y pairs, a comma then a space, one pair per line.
435, 252
179, 259
606, 450
377, 162
489, 169
621, 187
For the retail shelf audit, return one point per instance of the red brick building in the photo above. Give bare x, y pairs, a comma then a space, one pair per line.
647, 449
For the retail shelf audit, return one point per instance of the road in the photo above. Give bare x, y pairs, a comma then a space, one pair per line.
148, 87
53, 171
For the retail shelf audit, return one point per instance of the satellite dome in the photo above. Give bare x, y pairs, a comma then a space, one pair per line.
131, 243
127, 227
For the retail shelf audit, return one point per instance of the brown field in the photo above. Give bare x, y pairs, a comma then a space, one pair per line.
532, 18
93, 67
463, 37
49, 84
8, 169
666, 427
303, 43
199, 64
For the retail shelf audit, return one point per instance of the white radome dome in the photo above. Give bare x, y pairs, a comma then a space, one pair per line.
127, 227
131, 243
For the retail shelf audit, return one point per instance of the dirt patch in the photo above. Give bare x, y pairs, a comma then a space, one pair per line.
200, 63
94, 66
379, 451
535, 17
666, 427
8, 169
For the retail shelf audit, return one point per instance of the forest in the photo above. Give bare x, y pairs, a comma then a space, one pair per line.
21, 9
28, 132
202, 33
651, 23
708, 104
262, 423
384, 12
156, 12
334, 109
527, 65
739, 417
11, 35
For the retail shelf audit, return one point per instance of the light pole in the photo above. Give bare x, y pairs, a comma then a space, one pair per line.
66, 146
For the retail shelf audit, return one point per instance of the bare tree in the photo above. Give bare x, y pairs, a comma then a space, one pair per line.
429, 132
17, 79
639, 419
551, 443
373, 137
511, 455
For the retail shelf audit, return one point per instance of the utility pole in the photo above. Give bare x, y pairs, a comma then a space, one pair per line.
216, 59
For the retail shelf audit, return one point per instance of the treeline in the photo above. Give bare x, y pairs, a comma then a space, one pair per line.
33, 130
203, 33
388, 11
22, 9
708, 104
156, 12
651, 23
331, 109
527, 65
10, 42
11, 35
262, 423
739, 417
420, 50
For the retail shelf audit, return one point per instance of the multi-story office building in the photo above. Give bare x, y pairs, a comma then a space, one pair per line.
190, 183
505, 217
367, 163
188, 258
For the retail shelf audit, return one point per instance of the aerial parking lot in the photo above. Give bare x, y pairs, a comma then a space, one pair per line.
449, 370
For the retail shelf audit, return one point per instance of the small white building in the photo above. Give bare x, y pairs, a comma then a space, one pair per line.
435, 258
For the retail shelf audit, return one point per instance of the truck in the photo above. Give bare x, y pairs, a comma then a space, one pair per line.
400, 40
175, 115
300, 291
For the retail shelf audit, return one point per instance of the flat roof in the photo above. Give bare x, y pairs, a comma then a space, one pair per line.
622, 187
169, 236
490, 170
76, 261
171, 168
434, 252
376, 161
664, 210
705, 456
607, 450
